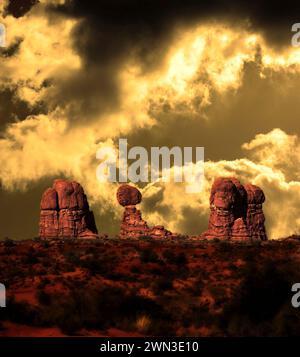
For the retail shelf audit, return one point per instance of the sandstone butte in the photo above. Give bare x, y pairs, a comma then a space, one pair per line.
65, 212
235, 213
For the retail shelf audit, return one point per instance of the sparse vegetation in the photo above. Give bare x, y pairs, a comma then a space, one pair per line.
149, 288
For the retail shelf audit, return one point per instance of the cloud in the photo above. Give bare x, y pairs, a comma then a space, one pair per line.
276, 149
182, 212
75, 79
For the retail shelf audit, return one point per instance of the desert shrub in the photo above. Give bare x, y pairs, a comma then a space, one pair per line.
94, 265
250, 254
18, 312
43, 283
100, 309
143, 323
43, 297
41, 271
15, 271
261, 298
31, 257
172, 258
44, 243
218, 293
232, 267
225, 247
149, 256
157, 271
146, 238
9, 242
72, 258
197, 315
287, 322
162, 284
197, 287
46, 262
135, 269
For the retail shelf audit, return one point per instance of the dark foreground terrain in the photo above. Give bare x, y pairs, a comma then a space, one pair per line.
149, 288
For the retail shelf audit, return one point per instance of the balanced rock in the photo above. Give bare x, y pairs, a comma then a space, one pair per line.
236, 211
133, 226
65, 212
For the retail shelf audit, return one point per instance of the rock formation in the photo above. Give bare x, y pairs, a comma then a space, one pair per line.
236, 211
65, 212
133, 225
128, 195
255, 216
159, 232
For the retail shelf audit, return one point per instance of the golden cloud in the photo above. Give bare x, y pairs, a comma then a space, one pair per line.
267, 172
203, 60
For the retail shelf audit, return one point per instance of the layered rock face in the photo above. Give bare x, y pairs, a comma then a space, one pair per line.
255, 217
65, 212
236, 211
133, 225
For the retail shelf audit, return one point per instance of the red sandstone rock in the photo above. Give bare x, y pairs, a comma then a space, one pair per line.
49, 200
239, 230
64, 190
222, 199
70, 195
223, 193
133, 225
65, 212
128, 195
255, 215
254, 194
159, 232
236, 211
49, 227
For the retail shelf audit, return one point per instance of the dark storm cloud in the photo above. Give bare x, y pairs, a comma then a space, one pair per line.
13, 108
113, 31
259, 105
12, 49
19, 8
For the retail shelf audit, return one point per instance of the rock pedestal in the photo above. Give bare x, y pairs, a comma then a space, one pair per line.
133, 226
65, 212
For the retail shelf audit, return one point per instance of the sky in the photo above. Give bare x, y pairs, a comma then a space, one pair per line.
78, 75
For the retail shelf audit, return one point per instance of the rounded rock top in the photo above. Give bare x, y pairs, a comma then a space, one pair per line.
254, 194
128, 195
